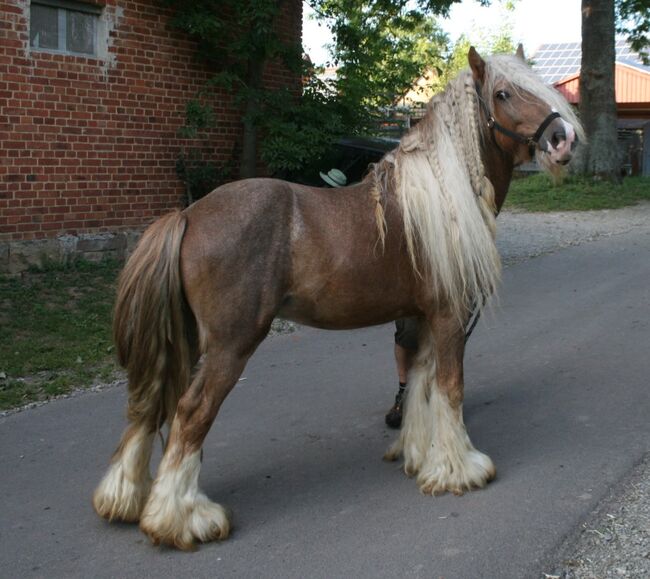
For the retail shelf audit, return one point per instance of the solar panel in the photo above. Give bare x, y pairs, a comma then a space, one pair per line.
554, 62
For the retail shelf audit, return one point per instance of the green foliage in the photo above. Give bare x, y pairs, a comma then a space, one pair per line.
295, 137
498, 43
200, 176
56, 330
232, 33
381, 48
634, 22
198, 117
539, 193
236, 38
455, 62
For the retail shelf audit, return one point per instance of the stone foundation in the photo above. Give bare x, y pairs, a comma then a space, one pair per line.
17, 256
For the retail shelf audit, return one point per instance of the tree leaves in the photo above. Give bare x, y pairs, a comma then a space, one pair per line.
634, 22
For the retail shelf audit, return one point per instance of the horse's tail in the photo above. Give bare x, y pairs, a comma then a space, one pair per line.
153, 328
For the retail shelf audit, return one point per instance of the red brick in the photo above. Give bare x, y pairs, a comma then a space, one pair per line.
92, 146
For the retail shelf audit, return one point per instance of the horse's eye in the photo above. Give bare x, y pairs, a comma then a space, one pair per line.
503, 95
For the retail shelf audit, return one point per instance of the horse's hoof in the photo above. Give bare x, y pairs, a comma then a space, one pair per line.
201, 521
118, 498
394, 451
472, 471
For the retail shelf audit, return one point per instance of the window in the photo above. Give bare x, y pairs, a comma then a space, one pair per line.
62, 26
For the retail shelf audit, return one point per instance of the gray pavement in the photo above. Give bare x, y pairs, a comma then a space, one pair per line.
556, 394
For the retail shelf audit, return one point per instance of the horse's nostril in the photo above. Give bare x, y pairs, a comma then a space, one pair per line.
557, 138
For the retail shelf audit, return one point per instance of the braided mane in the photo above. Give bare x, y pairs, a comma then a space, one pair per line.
447, 201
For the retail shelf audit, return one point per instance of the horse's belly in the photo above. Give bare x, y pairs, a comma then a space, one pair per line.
338, 311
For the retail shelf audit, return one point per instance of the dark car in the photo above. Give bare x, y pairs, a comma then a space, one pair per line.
352, 155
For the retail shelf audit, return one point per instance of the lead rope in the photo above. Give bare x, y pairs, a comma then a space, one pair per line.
476, 314
468, 332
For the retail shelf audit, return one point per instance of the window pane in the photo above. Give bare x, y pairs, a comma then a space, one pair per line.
44, 27
80, 32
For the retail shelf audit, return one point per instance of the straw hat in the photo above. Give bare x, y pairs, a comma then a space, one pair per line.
334, 178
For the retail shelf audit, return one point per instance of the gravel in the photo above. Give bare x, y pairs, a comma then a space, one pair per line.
615, 540
521, 236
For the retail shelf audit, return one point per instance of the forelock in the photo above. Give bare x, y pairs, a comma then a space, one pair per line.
520, 76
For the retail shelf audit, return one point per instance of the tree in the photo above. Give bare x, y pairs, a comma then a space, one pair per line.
601, 19
381, 47
597, 97
238, 38
500, 42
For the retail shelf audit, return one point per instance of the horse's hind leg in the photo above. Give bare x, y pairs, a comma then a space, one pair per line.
415, 436
124, 489
434, 440
122, 493
177, 513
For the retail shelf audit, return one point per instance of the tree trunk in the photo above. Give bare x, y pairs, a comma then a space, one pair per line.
254, 81
600, 157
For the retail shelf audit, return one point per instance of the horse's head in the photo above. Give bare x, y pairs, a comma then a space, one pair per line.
526, 117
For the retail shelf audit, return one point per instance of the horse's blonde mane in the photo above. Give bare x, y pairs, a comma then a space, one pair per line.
446, 199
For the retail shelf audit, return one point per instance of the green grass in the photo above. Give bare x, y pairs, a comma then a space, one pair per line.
538, 193
56, 331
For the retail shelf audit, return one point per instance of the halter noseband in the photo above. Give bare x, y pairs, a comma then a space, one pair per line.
532, 142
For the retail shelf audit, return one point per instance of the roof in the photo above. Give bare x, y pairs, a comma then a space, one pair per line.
631, 85
555, 62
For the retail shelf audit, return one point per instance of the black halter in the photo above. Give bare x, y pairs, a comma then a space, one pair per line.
532, 142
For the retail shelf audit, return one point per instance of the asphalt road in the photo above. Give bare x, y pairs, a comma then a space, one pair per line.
556, 394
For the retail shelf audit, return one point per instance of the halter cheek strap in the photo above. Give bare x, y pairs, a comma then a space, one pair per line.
531, 142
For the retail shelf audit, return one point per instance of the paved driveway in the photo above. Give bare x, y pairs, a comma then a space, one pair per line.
557, 394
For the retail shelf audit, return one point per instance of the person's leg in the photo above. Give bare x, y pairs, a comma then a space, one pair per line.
403, 361
406, 346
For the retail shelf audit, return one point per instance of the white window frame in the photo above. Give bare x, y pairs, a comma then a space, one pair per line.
62, 8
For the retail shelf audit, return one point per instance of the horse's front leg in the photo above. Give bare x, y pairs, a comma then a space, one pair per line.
177, 513
434, 440
452, 463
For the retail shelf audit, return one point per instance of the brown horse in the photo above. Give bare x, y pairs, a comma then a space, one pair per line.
415, 238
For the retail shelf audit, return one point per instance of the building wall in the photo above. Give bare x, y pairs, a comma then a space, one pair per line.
632, 88
88, 146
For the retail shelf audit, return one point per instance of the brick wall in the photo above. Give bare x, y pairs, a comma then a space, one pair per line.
89, 145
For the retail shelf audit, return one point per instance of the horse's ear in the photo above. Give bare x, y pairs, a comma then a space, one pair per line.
477, 64
520, 52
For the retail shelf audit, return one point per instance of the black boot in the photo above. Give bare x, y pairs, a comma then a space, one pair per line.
394, 416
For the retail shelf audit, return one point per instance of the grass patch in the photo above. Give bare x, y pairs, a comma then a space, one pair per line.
56, 334
538, 193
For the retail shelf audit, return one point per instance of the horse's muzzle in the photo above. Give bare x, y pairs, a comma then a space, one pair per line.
559, 141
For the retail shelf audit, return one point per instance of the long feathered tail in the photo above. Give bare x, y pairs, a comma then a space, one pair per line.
153, 328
